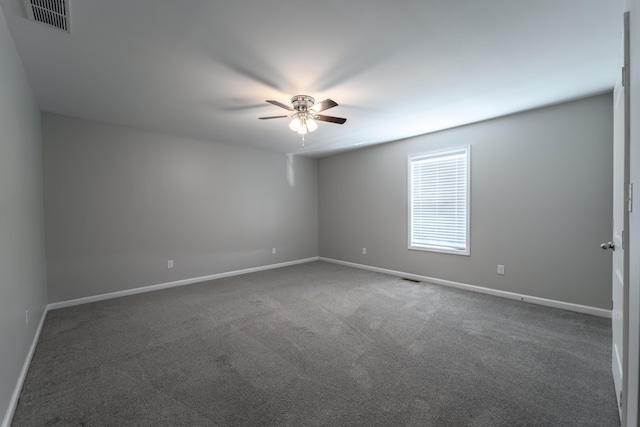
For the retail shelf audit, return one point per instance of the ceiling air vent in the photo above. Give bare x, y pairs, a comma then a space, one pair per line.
50, 12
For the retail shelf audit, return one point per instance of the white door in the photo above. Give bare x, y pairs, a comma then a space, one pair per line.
620, 275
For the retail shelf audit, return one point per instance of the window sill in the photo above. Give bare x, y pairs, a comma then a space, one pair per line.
440, 250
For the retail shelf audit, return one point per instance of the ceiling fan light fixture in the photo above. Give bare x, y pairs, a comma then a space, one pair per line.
295, 124
302, 130
311, 124
305, 114
303, 123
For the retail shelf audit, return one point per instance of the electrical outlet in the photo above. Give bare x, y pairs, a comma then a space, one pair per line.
364, 251
170, 263
273, 251
500, 269
26, 319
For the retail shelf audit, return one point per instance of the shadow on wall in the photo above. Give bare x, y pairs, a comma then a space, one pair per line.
291, 170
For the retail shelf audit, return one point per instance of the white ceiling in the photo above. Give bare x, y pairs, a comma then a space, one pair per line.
203, 68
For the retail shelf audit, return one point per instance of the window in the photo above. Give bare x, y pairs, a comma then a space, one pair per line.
439, 201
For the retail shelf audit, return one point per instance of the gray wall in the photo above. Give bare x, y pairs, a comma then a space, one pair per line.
540, 204
22, 257
121, 202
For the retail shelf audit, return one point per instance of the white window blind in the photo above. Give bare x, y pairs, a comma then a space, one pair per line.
439, 201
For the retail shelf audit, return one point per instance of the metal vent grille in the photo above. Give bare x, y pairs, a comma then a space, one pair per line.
50, 12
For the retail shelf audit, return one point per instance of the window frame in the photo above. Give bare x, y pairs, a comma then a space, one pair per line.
466, 149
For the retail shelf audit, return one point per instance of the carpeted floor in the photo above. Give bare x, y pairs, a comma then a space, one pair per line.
319, 345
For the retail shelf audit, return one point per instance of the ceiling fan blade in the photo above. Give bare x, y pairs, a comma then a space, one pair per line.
338, 120
324, 105
279, 104
272, 117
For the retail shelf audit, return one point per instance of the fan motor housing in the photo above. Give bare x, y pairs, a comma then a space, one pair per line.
302, 102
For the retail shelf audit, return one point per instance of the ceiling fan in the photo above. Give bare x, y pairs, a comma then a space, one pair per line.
305, 113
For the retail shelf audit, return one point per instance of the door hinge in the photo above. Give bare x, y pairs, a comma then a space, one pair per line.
624, 72
630, 197
621, 401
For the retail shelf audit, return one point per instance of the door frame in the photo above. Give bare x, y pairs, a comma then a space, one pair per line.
631, 415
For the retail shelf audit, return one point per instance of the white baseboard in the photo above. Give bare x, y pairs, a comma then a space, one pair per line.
151, 288
13, 403
595, 311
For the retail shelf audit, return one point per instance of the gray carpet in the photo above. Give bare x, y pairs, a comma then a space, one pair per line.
318, 345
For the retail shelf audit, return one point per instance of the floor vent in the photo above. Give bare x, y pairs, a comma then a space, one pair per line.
411, 280
50, 12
